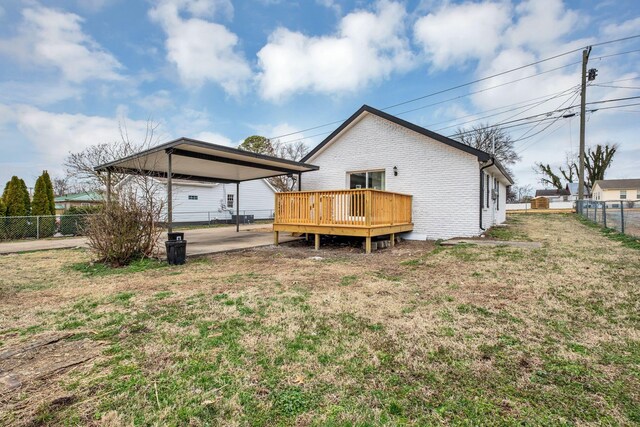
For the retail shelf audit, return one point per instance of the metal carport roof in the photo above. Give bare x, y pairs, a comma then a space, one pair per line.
202, 161
194, 160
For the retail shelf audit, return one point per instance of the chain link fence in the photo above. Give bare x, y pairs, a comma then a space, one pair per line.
42, 226
46, 226
621, 215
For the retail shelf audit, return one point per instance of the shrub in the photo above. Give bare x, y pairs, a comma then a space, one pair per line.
126, 230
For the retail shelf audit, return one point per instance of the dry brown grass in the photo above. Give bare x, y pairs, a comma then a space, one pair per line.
430, 336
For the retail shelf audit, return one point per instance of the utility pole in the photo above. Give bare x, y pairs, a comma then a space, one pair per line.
583, 100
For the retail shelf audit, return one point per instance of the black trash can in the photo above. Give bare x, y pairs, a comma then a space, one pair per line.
176, 251
175, 236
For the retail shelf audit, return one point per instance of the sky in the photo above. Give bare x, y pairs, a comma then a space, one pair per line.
80, 72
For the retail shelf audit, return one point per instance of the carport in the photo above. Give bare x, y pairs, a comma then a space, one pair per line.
194, 160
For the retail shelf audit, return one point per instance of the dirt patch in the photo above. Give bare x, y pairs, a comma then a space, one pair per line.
34, 369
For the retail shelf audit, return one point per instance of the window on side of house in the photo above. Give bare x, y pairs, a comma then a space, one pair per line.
193, 197
367, 179
497, 187
623, 194
487, 190
230, 200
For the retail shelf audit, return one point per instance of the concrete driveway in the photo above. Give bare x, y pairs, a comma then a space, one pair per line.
200, 241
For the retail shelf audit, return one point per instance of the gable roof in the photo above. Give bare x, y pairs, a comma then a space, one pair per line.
618, 184
553, 192
80, 197
481, 155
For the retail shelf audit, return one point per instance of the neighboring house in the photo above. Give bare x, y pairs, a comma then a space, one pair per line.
85, 199
554, 195
572, 187
616, 189
203, 202
457, 190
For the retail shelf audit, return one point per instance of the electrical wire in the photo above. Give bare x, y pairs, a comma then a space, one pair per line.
480, 80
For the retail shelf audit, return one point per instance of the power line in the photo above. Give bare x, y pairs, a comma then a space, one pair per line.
476, 81
619, 87
531, 105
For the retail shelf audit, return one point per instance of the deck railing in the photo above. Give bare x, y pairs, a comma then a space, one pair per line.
349, 208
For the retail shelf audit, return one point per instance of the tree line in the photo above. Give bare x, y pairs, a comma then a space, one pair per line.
16, 200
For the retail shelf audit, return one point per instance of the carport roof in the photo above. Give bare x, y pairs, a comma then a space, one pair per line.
202, 161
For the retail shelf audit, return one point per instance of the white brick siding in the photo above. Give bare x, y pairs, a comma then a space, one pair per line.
443, 180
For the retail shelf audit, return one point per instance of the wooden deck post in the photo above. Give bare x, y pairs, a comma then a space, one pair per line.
393, 239
367, 244
317, 241
275, 238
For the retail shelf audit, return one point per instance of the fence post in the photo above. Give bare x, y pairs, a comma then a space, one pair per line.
621, 216
595, 213
38, 227
604, 214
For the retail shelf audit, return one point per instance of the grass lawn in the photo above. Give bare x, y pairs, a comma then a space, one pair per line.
414, 335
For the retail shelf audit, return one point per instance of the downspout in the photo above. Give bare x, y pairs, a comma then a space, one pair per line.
493, 162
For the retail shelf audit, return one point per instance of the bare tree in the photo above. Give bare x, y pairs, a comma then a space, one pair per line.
131, 224
277, 148
80, 166
598, 159
519, 193
491, 139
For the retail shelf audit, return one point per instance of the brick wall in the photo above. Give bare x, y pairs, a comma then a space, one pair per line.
443, 180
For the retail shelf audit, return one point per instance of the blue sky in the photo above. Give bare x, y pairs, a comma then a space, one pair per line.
73, 71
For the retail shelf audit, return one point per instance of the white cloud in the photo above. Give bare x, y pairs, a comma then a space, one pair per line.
331, 4
540, 24
367, 47
626, 28
459, 32
51, 38
214, 138
54, 135
201, 50
155, 101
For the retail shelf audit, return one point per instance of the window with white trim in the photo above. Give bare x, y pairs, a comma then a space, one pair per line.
230, 200
487, 190
193, 197
623, 194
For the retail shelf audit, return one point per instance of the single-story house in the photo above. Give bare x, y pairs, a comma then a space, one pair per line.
84, 199
616, 189
572, 187
457, 190
554, 194
199, 202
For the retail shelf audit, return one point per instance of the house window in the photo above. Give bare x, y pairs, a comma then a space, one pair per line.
230, 198
623, 194
497, 187
193, 197
487, 190
367, 179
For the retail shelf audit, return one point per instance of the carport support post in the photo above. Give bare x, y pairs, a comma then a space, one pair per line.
237, 207
300, 182
169, 194
108, 187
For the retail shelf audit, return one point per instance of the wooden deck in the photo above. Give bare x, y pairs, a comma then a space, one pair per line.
361, 213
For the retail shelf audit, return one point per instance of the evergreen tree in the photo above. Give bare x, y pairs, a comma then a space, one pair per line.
3, 208
13, 198
40, 205
24, 190
50, 195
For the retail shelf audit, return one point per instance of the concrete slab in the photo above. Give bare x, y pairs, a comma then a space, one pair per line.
528, 245
42, 244
204, 241
200, 241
